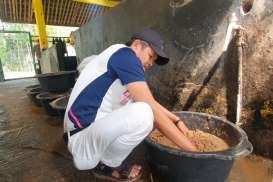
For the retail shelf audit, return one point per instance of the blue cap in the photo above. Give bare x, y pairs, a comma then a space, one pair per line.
155, 42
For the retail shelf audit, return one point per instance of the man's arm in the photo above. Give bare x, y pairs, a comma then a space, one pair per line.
183, 128
141, 92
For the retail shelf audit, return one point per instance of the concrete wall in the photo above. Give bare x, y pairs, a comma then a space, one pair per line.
49, 60
258, 77
194, 34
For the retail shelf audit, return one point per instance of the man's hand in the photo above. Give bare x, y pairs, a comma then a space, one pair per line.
182, 127
164, 122
178, 122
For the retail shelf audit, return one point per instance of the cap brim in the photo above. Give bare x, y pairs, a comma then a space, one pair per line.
162, 56
161, 61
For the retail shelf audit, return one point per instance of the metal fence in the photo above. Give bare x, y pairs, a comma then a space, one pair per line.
16, 54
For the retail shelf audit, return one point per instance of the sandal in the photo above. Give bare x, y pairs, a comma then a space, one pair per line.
106, 173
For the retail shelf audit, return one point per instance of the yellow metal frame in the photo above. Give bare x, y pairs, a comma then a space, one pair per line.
40, 21
107, 3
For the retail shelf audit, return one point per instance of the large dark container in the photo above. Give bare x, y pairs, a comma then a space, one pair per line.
181, 166
57, 82
45, 98
31, 87
32, 91
60, 105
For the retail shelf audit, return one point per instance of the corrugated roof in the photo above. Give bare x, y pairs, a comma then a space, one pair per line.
56, 12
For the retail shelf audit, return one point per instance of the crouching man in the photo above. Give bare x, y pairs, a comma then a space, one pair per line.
111, 109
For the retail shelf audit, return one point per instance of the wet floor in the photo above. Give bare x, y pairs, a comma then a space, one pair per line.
31, 146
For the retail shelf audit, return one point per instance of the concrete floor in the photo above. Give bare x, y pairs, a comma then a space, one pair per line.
31, 146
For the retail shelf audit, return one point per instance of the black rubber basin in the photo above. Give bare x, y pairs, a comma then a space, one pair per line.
32, 86
176, 165
57, 82
60, 105
32, 93
45, 98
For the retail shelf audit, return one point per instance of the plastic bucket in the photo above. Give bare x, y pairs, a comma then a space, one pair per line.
31, 87
45, 98
32, 92
200, 166
57, 82
60, 105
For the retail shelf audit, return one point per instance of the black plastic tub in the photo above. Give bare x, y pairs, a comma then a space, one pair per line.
57, 82
32, 92
179, 166
32, 86
45, 98
60, 105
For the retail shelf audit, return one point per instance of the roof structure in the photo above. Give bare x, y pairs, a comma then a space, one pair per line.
56, 12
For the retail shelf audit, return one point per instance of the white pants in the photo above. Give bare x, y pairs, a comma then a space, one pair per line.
112, 138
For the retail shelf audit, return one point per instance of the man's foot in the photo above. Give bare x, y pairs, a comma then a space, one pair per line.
123, 173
